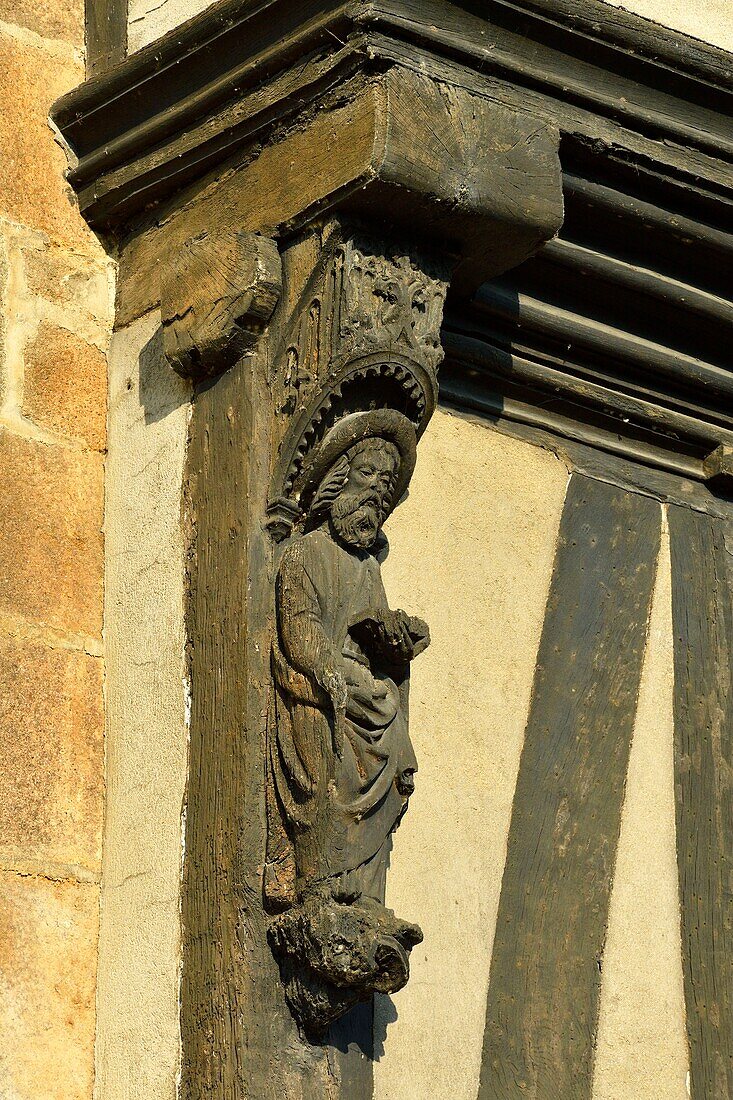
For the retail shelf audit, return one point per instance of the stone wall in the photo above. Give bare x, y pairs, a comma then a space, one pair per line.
55, 317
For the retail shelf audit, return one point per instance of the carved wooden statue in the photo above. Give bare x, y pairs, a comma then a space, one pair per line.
340, 762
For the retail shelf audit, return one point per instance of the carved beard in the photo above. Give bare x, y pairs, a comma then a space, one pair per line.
358, 516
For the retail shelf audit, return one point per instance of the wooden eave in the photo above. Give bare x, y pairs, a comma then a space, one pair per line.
224, 81
617, 336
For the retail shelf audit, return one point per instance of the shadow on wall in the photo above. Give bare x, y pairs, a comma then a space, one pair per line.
158, 401
364, 1028
385, 1013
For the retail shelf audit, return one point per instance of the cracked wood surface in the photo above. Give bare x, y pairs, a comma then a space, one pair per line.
479, 179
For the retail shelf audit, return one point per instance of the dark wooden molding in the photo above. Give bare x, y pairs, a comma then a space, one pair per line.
551, 926
207, 90
620, 326
615, 334
378, 151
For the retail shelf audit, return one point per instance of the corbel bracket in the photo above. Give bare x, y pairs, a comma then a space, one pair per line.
216, 295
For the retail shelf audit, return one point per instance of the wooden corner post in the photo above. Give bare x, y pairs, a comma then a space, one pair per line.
301, 288
301, 764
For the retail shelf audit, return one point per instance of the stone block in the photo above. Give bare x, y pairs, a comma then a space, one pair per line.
33, 190
3, 318
65, 384
48, 947
73, 282
51, 745
62, 19
51, 535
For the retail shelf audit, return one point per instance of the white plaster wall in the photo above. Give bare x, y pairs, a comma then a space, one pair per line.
709, 20
641, 1050
150, 19
138, 1037
471, 551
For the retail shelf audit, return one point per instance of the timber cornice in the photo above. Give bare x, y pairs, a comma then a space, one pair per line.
212, 90
616, 335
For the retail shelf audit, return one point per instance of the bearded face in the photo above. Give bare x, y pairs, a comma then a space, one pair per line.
363, 504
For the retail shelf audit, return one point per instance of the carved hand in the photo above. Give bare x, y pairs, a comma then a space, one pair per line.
395, 632
397, 635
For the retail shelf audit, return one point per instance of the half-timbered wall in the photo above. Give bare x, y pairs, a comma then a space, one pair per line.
566, 536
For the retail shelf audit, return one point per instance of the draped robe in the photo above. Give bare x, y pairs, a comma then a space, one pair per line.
339, 776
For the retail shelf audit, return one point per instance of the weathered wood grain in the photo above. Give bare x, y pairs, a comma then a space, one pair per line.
548, 950
238, 1037
216, 296
702, 610
613, 68
105, 34
457, 164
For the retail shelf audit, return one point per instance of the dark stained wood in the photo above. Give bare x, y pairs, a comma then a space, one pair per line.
383, 146
615, 333
493, 380
718, 468
702, 607
250, 660
352, 1043
238, 1036
617, 29
210, 88
657, 286
588, 335
548, 950
105, 34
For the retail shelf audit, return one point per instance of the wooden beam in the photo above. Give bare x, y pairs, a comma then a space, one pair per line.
206, 90
105, 34
702, 608
548, 951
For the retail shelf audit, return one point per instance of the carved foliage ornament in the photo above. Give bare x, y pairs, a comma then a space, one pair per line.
341, 766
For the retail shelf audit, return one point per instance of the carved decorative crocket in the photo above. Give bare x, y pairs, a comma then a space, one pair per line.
340, 761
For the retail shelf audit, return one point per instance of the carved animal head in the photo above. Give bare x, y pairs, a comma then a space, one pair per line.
333, 955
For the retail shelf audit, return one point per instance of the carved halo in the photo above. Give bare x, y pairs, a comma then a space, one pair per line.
380, 423
380, 382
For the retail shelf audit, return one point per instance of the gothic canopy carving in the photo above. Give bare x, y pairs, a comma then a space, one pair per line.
365, 335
